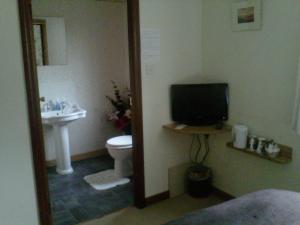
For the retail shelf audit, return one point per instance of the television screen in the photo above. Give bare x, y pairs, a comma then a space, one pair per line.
199, 104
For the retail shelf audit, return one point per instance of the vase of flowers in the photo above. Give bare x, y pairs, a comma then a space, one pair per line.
121, 114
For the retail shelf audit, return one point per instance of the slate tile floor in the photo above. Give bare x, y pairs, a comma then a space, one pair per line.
74, 201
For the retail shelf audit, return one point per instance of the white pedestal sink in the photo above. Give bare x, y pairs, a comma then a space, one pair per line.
59, 120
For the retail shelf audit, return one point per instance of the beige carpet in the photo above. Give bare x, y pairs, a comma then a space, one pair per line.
156, 214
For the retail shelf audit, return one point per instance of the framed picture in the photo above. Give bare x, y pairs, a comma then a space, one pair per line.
247, 15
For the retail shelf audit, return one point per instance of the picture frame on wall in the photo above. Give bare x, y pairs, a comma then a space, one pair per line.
247, 15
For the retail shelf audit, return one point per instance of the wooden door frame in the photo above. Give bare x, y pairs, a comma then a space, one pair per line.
33, 102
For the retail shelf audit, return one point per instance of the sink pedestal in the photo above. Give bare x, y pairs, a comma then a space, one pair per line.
62, 149
59, 120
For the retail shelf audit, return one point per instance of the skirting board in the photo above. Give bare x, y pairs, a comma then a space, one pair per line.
82, 156
157, 198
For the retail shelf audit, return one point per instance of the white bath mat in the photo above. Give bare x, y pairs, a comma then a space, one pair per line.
105, 180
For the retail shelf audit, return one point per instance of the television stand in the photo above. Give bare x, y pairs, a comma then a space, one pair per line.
203, 130
197, 155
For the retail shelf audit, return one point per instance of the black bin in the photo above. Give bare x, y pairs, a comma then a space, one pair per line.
199, 181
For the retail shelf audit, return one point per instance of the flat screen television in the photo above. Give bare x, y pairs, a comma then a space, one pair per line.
199, 104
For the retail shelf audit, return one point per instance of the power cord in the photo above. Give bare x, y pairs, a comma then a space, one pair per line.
207, 148
194, 154
191, 148
199, 148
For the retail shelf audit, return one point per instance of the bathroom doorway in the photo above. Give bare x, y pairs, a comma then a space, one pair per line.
33, 98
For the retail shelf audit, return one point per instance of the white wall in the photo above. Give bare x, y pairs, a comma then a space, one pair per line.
180, 61
249, 61
260, 67
97, 52
17, 191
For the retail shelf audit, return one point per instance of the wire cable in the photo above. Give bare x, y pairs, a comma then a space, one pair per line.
194, 153
191, 148
199, 148
207, 148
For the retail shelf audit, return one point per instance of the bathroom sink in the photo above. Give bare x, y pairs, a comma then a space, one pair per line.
55, 117
57, 122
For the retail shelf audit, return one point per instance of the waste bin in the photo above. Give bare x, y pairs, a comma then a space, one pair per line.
199, 181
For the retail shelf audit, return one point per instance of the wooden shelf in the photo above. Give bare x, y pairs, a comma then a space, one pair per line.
284, 157
197, 130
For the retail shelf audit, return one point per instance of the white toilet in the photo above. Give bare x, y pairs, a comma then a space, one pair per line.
120, 148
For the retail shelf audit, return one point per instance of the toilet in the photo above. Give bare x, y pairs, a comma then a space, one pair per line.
120, 149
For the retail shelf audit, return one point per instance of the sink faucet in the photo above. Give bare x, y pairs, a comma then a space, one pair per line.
46, 107
64, 105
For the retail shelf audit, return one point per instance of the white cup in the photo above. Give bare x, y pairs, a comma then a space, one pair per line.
240, 134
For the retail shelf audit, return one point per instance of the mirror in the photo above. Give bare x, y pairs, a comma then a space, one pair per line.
50, 41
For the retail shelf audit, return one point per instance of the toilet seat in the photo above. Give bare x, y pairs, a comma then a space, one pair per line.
120, 142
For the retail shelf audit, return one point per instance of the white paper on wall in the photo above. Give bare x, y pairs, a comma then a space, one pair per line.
150, 43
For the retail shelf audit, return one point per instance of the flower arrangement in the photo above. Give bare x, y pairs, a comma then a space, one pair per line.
121, 115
